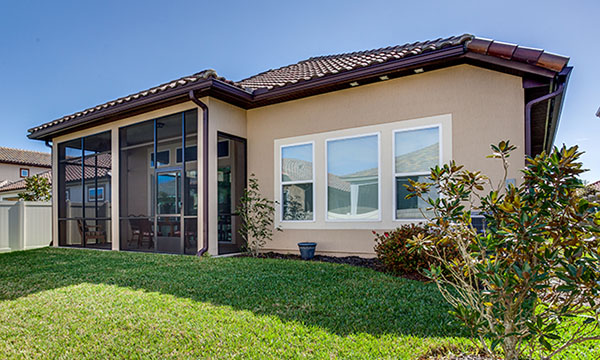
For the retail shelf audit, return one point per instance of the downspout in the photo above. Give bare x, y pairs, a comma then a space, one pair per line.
204, 171
528, 107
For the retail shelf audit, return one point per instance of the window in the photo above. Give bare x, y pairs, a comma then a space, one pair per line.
191, 154
163, 158
415, 153
96, 194
24, 172
353, 178
223, 149
297, 182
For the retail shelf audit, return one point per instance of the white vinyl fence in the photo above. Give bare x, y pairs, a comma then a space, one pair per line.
25, 225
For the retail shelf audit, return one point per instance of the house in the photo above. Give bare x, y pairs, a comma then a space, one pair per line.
16, 165
10, 191
332, 139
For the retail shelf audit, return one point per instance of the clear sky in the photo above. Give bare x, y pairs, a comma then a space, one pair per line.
59, 57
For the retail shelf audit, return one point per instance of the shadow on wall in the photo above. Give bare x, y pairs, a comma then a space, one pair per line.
339, 298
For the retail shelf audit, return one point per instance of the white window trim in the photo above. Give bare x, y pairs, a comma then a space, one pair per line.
326, 212
423, 173
311, 181
386, 178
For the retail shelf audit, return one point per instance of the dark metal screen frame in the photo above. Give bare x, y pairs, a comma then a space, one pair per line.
61, 193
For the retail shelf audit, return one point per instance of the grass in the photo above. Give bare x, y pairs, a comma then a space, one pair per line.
66, 303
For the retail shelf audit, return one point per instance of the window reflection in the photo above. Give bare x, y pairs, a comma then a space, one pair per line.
353, 178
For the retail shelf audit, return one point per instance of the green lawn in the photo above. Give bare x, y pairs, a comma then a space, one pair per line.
64, 303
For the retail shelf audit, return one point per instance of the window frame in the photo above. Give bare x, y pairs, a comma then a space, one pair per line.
326, 193
396, 175
178, 150
96, 197
312, 181
21, 173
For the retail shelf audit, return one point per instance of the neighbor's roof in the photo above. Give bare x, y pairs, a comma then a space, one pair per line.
20, 184
72, 172
255, 90
24, 157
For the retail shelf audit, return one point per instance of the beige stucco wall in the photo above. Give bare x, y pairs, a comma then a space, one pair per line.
11, 172
485, 107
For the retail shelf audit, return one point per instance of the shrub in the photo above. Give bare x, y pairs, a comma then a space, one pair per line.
392, 249
256, 215
534, 275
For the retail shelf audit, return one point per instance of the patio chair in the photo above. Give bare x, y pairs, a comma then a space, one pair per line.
87, 232
141, 229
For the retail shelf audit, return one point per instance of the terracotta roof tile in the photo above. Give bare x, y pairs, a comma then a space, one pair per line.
24, 157
513, 52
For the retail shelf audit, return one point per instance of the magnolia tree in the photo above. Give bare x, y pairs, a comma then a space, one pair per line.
529, 283
37, 188
256, 214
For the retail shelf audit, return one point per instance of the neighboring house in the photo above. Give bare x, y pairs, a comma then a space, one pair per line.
332, 139
16, 165
10, 191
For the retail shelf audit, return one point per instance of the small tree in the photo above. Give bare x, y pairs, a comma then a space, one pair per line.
256, 215
535, 271
37, 188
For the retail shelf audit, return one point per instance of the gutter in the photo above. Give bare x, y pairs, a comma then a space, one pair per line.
205, 159
529, 105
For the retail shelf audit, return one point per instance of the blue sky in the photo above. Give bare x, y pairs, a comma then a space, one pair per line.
59, 57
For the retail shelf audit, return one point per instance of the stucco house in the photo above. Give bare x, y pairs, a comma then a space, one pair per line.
16, 165
331, 138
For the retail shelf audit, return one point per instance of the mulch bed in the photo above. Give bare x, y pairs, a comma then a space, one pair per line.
371, 263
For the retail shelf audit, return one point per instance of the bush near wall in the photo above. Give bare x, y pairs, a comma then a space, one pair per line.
395, 255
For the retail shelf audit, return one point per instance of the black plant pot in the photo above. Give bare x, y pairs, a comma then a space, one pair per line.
307, 250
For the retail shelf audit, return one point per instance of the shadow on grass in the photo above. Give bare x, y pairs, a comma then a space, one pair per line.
339, 298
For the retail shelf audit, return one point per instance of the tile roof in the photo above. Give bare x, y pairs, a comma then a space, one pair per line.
536, 57
186, 80
72, 172
24, 157
322, 66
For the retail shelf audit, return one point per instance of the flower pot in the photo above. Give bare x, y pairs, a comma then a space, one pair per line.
307, 250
